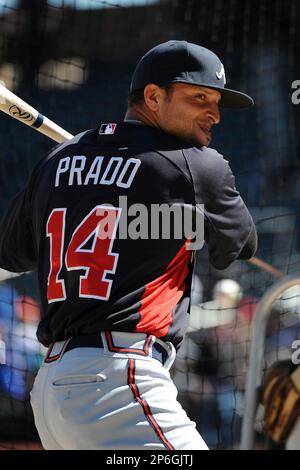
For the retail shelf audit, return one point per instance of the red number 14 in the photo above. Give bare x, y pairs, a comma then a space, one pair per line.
99, 227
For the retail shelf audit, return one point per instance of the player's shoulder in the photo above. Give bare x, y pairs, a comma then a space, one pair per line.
205, 156
81, 138
58, 151
206, 164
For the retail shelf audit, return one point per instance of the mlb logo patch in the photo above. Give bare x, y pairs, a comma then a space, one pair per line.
107, 128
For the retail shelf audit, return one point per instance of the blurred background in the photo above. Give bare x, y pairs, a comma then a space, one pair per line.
72, 60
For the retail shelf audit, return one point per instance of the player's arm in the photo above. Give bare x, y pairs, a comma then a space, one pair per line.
17, 247
229, 230
250, 247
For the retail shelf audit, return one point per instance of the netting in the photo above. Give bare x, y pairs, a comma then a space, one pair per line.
72, 60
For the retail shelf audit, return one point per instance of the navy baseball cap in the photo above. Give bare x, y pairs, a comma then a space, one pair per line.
184, 62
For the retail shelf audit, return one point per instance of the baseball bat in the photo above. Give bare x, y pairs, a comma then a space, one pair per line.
15, 107
265, 266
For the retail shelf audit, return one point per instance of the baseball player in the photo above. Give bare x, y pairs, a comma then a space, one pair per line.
115, 299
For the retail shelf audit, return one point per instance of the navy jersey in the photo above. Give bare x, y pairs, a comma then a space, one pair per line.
83, 221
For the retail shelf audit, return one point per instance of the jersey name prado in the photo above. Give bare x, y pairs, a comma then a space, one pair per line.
80, 170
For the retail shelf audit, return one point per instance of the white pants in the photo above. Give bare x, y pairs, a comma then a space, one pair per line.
93, 398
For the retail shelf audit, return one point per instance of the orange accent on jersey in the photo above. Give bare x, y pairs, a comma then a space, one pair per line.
163, 294
145, 405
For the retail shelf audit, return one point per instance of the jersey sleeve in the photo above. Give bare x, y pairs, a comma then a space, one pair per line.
228, 223
17, 248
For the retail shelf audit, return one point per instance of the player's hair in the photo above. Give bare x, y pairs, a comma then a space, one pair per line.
137, 97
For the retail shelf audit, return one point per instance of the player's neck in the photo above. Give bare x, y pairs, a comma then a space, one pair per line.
141, 115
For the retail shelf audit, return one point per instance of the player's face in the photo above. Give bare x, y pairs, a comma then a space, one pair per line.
189, 112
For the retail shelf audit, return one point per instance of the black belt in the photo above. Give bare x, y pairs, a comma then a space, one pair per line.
85, 341
95, 341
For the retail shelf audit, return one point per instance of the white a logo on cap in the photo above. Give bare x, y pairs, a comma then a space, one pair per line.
221, 73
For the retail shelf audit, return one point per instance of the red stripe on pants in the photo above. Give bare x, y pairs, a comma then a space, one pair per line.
145, 405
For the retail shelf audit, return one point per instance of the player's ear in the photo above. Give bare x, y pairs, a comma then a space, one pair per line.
153, 96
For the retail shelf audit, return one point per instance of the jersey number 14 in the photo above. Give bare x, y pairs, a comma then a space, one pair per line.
99, 229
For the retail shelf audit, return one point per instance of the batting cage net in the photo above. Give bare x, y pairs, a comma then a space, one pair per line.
72, 60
